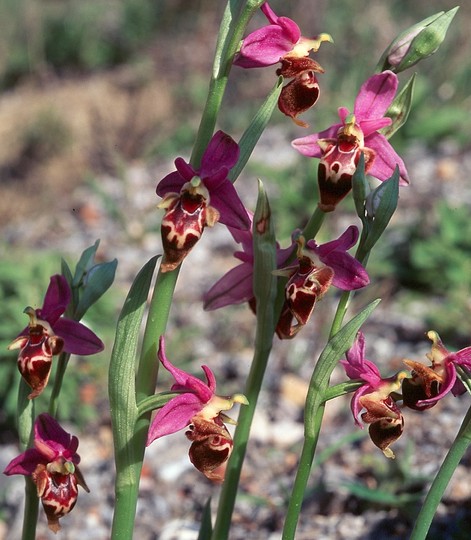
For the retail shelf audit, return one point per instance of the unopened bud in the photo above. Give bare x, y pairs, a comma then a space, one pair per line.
417, 43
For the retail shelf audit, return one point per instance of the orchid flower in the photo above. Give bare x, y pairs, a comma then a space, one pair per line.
316, 268
339, 147
49, 334
429, 384
200, 409
196, 198
382, 414
281, 41
53, 466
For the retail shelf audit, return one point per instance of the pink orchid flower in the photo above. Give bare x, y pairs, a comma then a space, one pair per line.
196, 198
339, 147
53, 466
429, 384
316, 268
281, 41
200, 409
382, 414
48, 334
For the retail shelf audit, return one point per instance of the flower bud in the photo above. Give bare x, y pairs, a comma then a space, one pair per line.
418, 42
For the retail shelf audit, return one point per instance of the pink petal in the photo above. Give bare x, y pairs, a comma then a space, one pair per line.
264, 47
52, 440
172, 183
445, 388
345, 241
184, 380
349, 274
233, 213
370, 126
386, 159
174, 416
235, 287
25, 463
463, 357
307, 146
222, 151
56, 300
375, 96
78, 339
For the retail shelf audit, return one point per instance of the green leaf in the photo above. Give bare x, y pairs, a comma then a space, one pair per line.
98, 280
381, 206
206, 528
380, 497
122, 392
360, 188
400, 108
85, 263
253, 133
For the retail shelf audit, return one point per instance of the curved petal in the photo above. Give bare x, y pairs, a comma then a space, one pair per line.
56, 300
174, 416
345, 241
349, 274
78, 339
210, 378
222, 151
172, 183
52, 441
356, 406
232, 212
375, 96
355, 356
307, 146
370, 126
25, 463
386, 159
184, 380
264, 47
235, 287
444, 388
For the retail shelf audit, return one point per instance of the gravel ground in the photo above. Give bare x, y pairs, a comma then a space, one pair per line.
172, 492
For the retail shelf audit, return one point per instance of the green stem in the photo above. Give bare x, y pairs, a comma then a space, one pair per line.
235, 19
129, 468
62, 362
26, 417
441, 481
314, 412
314, 224
268, 308
31, 510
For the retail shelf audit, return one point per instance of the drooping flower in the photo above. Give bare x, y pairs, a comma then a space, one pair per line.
382, 413
200, 409
49, 334
53, 466
340, 146
281, 41
429, 384
196, 198
315, 269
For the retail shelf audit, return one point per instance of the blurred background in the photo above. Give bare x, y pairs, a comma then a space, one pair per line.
98, 97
